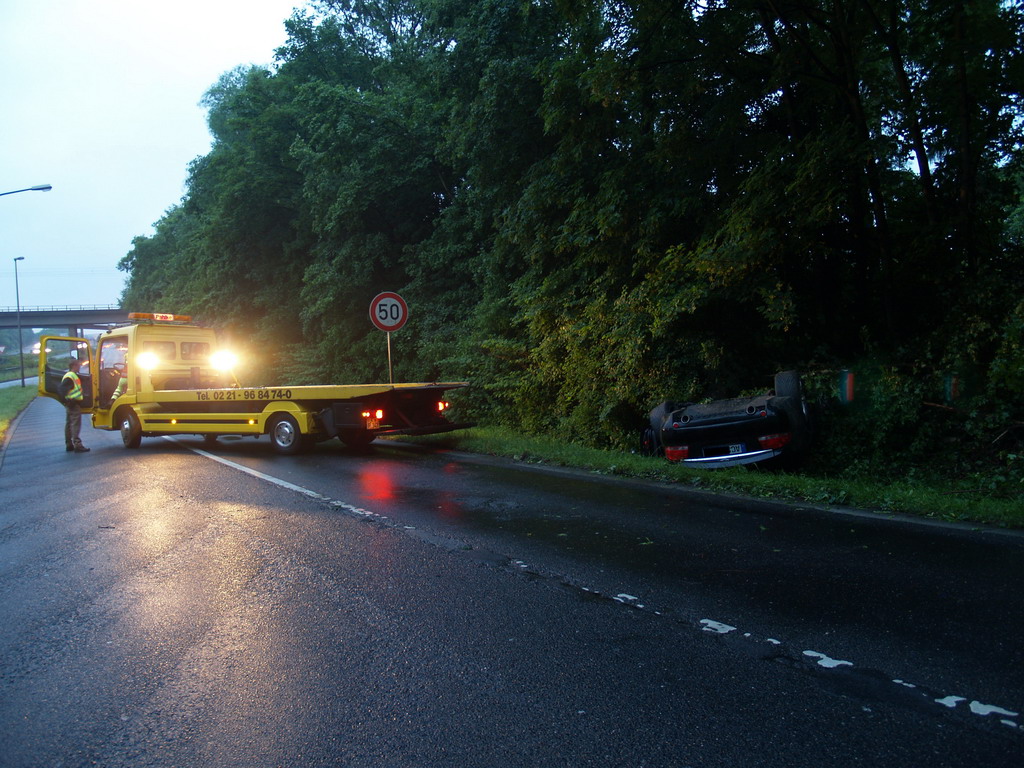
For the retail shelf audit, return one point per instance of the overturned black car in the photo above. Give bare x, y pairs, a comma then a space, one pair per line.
775, 427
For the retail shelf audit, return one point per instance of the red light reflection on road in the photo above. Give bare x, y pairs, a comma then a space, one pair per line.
384, 482
377, 484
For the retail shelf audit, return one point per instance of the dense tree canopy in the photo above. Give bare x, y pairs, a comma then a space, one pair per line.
594, 205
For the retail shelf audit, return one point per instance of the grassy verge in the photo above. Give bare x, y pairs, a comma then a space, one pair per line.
926, 500
12, 401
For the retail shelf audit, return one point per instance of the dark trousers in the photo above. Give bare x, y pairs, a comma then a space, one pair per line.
73, 423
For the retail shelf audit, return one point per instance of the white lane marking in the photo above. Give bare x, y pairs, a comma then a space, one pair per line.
708, 625
987, 709
359, 511
255, 473
632, 600
825, 661
717, 627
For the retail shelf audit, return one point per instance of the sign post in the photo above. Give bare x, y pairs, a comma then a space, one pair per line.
388, 311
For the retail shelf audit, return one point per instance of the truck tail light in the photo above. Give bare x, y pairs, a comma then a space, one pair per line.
441, 405
377, 414
677, 452
775, 442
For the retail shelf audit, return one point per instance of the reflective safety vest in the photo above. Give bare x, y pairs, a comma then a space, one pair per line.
76, 388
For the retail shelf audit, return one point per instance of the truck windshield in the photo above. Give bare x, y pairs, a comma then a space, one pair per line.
195, 350
112, 352
164, 350
112, 365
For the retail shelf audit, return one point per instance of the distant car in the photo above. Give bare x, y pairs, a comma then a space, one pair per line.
774, 427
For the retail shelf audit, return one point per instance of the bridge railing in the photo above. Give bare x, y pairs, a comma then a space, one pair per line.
62, 308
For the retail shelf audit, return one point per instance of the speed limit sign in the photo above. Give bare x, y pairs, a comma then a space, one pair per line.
388, 311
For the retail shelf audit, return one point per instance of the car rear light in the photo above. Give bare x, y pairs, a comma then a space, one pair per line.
441, 405
775, 442
378, 414
677, 452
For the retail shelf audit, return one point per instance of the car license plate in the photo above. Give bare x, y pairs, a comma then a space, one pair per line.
373, 423
736, 448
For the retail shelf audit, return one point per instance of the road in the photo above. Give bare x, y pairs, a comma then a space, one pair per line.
174, 606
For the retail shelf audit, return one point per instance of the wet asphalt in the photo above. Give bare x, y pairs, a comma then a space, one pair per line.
175, 606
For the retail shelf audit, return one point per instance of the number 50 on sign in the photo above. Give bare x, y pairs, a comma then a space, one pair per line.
388, 311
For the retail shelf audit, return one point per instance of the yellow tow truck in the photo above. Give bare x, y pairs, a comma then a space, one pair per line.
175, 379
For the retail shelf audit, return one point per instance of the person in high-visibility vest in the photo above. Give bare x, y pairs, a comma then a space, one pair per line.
122, 385
71, 389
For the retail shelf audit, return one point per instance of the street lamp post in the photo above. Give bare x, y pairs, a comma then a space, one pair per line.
17, 301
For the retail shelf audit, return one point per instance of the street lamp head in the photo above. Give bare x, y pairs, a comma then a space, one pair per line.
36, 188
19, 258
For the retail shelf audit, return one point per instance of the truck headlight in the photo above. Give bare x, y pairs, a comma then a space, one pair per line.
147, 361
223, 360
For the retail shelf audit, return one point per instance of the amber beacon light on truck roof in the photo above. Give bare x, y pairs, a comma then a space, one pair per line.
159, 317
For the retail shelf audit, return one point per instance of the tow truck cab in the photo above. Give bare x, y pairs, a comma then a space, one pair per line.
177, 380
159, 352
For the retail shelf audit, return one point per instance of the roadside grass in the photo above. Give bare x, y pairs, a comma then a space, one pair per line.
930, 499
12, 401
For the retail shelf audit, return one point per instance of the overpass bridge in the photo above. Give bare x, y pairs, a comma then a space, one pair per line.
75, 320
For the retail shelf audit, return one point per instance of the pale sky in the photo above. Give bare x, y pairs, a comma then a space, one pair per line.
100, 98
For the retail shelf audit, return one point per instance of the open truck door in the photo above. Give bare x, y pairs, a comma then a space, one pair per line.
55, 353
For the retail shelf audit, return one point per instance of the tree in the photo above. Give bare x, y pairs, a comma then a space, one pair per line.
595, 205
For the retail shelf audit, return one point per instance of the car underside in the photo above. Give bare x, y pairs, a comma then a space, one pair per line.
773, 427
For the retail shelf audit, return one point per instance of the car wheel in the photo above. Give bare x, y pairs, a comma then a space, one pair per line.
131, 429
650, 443
789, 384
800, 427
650, 438
285, 435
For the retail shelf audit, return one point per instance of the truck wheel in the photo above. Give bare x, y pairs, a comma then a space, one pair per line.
285, 435
131, 429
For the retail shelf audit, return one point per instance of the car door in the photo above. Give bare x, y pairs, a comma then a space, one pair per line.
55, 353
